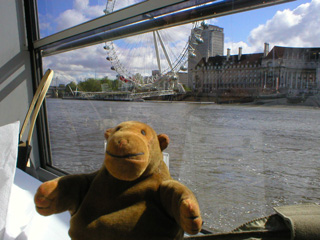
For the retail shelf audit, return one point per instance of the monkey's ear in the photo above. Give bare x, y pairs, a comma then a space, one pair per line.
163, 141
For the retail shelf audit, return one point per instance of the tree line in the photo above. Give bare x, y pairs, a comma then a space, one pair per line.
93, 85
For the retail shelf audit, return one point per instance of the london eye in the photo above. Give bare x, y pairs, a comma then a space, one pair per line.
153, 60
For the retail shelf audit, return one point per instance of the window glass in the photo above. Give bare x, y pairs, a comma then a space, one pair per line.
55, 16
243, 143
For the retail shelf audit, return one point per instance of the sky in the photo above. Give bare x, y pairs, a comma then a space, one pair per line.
293, 24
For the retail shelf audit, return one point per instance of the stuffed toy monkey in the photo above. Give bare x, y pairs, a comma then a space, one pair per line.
132, 196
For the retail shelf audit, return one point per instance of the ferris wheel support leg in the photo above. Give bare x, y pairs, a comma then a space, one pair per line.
164, 50
157, 50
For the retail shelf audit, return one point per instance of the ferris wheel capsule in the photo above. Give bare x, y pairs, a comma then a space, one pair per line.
112, 68
199, 39
183, 68
192, 55
106, 47
109, 58
204, 24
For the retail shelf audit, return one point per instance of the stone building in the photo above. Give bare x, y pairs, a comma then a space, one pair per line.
291, 68
281, 70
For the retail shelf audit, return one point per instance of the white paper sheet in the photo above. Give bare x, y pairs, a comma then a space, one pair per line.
9, 139
23, 222
18, 217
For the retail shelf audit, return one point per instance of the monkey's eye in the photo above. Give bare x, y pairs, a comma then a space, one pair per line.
118, 128
143, 132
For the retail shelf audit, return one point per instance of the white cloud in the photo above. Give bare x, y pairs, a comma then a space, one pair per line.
80, 5
70, 18
45, 24
79, 64
234, 47
81, 12
212, 21
291, 28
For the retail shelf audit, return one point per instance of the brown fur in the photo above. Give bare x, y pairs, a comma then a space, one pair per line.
131, 197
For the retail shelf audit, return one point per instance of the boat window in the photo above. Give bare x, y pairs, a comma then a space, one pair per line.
63, 14
243, 144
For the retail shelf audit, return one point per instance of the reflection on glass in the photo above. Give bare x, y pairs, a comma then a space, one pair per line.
240, 159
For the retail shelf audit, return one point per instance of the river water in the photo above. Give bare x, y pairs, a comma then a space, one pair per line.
239, 160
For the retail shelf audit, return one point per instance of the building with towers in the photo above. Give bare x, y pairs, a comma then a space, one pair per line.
281, 70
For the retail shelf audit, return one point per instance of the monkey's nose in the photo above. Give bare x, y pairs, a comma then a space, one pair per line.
123, 143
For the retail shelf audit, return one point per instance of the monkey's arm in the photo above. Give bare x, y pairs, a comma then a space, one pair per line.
182, 205
62, 194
